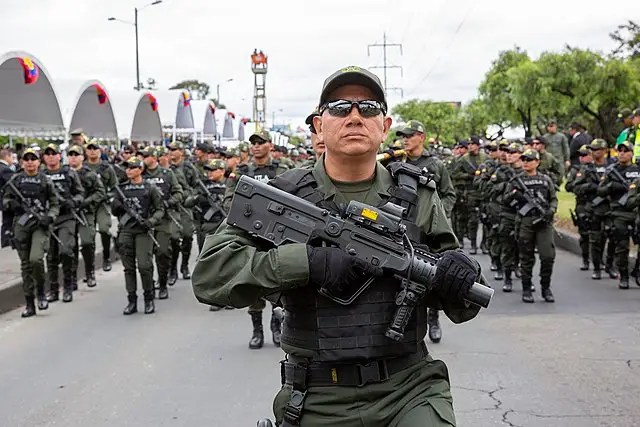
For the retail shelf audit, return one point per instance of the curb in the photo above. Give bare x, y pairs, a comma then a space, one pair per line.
11, 295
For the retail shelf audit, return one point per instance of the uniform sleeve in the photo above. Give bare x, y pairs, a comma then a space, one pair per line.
571, 181
564, 143
95, 193
235, 269
7, 194
54, 202
553, 198
177, 195
112, 178
77, 190
157, 207
634, 197
231, 184
446, 191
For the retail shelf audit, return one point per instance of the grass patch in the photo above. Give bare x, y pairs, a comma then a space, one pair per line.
566, 202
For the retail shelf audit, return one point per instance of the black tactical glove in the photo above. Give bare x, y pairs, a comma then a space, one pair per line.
70, 204
117, 207
14, 206
45, 221
618, 187
147, 225
548, 216
455, 275
337, 271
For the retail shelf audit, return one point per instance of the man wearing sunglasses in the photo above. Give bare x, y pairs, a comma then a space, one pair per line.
125, 154
338, 356
103, 215
535, 228
94, 193
61, 251
262, 168
31, 232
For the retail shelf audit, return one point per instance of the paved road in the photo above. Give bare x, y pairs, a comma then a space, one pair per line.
574, 363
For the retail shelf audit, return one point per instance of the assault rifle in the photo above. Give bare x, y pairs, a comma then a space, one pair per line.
82, 220
30, 212
617, 176
214, 204
131, 213
598, 200
532, 201
375, 235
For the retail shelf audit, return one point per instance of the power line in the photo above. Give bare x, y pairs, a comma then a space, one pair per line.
384, 47
427, 36
464, 19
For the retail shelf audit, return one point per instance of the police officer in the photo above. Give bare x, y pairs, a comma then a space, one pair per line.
507, 228
535, 225
549, 165
582, 219
172, 196
615, 186
262, 168
597, 208
121, 172
141, 199
71, 194
492, 206
94, 194
30, 196
209, 202
183, 169
460, 213
405, 386
7, 169
316, 143
102, 215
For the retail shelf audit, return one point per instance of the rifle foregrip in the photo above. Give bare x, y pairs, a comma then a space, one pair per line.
423, 272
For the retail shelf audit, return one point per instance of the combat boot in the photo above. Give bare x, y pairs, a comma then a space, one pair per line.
624, 279
611, 271
547, 295
53, 295
149, 305
276, 325
106, 264
474, 248
163, 293
30, 308
527, 295
597, 275
67, 290
43, 304
585, 264
483, 247
257, 340
106, 251
493, 266
185, 271
435, 333
499, 275
132, 306
518, 272
508, 283
91, 279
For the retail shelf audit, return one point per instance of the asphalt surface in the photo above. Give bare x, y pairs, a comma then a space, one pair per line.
572, 363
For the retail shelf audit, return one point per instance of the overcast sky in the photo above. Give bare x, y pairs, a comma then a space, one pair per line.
448, 45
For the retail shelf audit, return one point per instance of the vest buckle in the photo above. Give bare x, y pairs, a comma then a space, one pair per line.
372, 372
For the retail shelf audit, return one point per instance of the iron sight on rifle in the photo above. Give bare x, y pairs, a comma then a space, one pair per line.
375, 235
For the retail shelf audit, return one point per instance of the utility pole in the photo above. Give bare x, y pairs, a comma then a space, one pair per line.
384, 47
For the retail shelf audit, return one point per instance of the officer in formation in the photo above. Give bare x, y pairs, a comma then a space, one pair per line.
596, 207
139, 208
31, 197
263, 169
397, 382
549, 165
581, 218
171, 194
460, 213
534, 222
62, 244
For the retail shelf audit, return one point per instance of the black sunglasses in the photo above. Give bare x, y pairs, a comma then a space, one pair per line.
73, 154
527, 159
259, 142
342, 108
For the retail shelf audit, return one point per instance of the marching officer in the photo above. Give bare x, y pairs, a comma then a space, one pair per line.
138, 206
615, 186
94, 194
581, 218
535, 228
548, 163
102, 215
172, 196
31, 197
262, 168
69, 190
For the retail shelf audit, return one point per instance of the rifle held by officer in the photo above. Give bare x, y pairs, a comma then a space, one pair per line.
374, 235
532, 202
131, 213
30, 213
617, 176
214, 204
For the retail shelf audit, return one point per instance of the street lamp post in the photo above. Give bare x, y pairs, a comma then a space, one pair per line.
135, 25
218, 89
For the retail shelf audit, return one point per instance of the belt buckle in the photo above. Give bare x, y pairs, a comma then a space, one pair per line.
372, 372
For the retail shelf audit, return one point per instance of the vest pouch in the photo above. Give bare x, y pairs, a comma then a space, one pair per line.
24, 218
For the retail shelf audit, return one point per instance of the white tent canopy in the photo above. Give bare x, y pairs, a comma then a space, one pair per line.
93, 112
27, 109
175, 109
135, 115
203, 117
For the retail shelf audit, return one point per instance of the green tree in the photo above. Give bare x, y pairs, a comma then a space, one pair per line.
473, 119
200, 89
627, 37
297, 140
439, 118
218, 105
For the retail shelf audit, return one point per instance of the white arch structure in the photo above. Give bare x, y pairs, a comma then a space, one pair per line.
28, 109
93, 112
137, 115
176, 114
204, 118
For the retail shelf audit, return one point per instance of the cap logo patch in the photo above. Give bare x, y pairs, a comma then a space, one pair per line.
351, 69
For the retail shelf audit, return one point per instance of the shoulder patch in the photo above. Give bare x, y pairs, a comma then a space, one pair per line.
579, 174
478, 172
632, 186
232, 175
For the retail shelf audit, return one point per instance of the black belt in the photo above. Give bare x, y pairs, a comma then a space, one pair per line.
321, 374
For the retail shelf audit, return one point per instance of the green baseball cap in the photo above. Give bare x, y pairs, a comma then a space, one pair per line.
243, 147
515, 147
530, 155
412, 127
598, 144
215, 164
52, 147
148, 151
76, 149
161, 150
625, 113
628, 146
175, 145
262, 135
133, 162
309, 120
353, 75
584, 150
30, 151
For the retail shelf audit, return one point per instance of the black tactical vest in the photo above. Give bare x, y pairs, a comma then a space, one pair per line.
61, 181
160, 180
340, 333
33, 188
138, 197
260, 173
